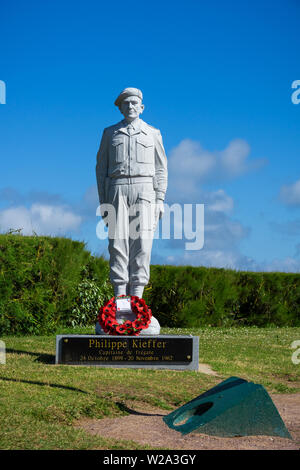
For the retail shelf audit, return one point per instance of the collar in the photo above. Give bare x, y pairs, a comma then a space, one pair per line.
138, 126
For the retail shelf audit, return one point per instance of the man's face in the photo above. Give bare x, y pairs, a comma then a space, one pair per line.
131, 107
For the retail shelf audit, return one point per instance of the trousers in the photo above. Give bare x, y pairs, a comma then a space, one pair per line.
130, 233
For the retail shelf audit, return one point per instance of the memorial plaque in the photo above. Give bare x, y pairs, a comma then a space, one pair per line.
161, 351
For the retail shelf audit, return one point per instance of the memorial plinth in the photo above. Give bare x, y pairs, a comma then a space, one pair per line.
152, 352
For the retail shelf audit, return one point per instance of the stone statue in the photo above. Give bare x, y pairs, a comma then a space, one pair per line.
132, 177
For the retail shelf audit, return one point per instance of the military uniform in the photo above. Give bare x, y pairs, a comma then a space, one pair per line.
131, 169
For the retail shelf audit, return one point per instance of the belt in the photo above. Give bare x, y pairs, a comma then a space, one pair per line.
131, 180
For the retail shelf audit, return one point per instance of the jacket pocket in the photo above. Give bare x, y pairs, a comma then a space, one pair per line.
118, 150
144, 150
144, 197
146, 208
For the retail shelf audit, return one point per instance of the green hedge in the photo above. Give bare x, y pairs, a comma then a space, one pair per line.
49, 282
186, 296
39, 281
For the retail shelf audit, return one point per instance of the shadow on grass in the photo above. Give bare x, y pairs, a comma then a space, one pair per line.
40, 357
43, 384
125, 408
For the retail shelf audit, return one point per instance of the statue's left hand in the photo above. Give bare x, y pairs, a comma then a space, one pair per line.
159, 209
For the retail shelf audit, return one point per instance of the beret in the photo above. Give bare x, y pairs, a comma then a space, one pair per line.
128, 92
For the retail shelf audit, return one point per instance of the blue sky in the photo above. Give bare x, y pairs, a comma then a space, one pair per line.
217, 81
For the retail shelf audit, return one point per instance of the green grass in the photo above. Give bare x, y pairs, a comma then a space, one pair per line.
40, 401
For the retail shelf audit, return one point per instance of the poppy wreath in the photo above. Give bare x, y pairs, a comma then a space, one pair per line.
109, 324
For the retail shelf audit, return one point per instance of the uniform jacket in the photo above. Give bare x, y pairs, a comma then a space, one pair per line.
139, 154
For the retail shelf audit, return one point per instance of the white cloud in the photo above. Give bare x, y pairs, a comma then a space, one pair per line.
190, 168
43, 219
190, 159
190, 165
290, 194
222, 237
217, 258
219, 201
229, 259
213, 258
234, 159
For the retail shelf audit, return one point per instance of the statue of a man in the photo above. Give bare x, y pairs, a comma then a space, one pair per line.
131, 172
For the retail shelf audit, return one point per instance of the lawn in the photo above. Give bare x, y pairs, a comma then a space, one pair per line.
40, 401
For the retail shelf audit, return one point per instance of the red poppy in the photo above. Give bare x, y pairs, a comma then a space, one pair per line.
107, 318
